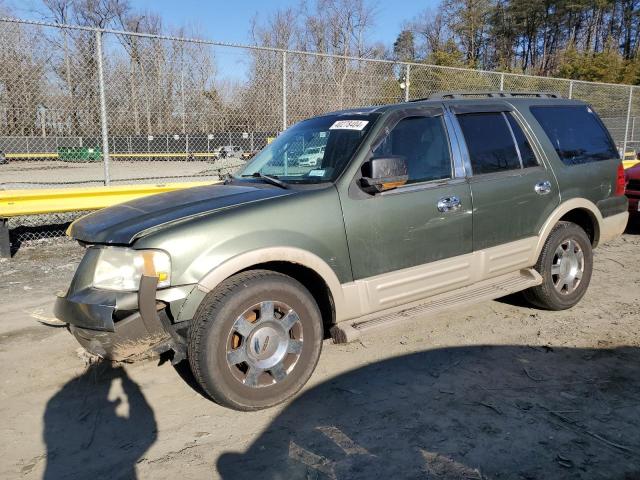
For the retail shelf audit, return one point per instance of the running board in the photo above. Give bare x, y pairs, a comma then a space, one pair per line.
350, 330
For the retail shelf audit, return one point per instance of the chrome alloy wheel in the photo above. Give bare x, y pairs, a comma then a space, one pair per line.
567, 267
264, 344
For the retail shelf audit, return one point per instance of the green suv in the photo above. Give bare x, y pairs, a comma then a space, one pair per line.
412, 209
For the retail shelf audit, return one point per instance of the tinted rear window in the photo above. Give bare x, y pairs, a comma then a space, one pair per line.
577, 134
489, 141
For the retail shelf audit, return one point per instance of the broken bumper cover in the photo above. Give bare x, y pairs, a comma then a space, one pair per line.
146, 326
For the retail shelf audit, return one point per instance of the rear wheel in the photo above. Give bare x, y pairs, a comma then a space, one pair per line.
565, 263
255, 340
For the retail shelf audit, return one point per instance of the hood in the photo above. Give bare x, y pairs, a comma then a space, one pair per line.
123, 223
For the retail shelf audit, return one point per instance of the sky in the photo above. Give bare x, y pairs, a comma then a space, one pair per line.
229, 21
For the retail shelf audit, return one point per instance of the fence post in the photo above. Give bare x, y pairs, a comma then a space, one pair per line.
626, 128
184, 107
103, 109
406, 82
284, 91
570, 89
502, 82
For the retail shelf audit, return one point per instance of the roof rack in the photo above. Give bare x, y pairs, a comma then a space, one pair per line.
487, 94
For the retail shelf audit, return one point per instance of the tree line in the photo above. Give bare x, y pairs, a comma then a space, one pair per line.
593, 40
154, 86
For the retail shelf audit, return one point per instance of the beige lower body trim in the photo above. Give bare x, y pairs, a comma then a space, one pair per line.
612, 227
392, 289
389, 290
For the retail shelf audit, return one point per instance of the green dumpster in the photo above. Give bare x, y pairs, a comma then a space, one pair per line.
79, 154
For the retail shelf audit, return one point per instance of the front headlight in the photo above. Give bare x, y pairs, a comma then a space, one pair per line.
120, 268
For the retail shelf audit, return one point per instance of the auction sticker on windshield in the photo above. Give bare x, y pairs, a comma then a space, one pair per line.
349, 125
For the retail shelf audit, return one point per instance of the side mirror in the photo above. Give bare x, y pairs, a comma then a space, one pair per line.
384, 173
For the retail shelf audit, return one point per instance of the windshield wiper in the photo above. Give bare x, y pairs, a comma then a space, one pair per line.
268, 179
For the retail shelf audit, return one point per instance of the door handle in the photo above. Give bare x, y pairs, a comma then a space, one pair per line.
542, 188
449, 204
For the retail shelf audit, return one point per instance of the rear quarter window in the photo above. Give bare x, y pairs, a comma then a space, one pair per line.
576, 132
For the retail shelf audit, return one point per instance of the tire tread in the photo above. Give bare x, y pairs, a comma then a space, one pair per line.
205, 315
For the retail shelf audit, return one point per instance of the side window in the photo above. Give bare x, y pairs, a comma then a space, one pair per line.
577, 134
423, 142
489, 141
524, 147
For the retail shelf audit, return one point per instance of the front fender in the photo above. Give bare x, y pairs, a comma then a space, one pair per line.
306, 229
247, 260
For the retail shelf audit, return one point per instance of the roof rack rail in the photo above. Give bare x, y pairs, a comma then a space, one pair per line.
487, 94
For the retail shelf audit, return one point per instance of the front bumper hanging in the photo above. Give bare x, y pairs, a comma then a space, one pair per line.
90, 315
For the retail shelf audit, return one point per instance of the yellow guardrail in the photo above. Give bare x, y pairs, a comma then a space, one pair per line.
14, 203
31, 155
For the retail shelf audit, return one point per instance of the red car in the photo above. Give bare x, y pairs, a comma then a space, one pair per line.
633, 190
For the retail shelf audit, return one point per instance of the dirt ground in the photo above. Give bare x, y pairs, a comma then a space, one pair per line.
496, 391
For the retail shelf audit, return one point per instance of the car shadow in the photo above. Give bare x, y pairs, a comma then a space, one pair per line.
99, 425
473, 412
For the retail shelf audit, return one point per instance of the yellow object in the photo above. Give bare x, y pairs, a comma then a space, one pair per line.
14, 203
629, 163
31, 155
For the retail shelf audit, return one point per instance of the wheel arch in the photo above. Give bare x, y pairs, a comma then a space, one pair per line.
577, 210
312, 281
305, 267
586, 220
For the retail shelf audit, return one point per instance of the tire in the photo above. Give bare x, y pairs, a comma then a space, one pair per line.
255, 340
560, 288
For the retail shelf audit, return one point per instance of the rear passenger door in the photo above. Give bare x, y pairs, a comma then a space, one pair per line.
513, 190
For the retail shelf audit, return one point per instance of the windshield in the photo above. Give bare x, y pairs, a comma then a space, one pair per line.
312, 151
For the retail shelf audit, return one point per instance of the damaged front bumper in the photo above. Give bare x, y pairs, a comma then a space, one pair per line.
120, 325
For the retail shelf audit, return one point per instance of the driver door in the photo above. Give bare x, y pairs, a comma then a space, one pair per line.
410, 242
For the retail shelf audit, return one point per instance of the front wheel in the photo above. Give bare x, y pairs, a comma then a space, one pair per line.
565, 264
255, 340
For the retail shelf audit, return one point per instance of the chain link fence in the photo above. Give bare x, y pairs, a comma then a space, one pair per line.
81, 106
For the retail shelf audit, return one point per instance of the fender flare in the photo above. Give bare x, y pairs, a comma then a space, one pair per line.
246, 260
559, 212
